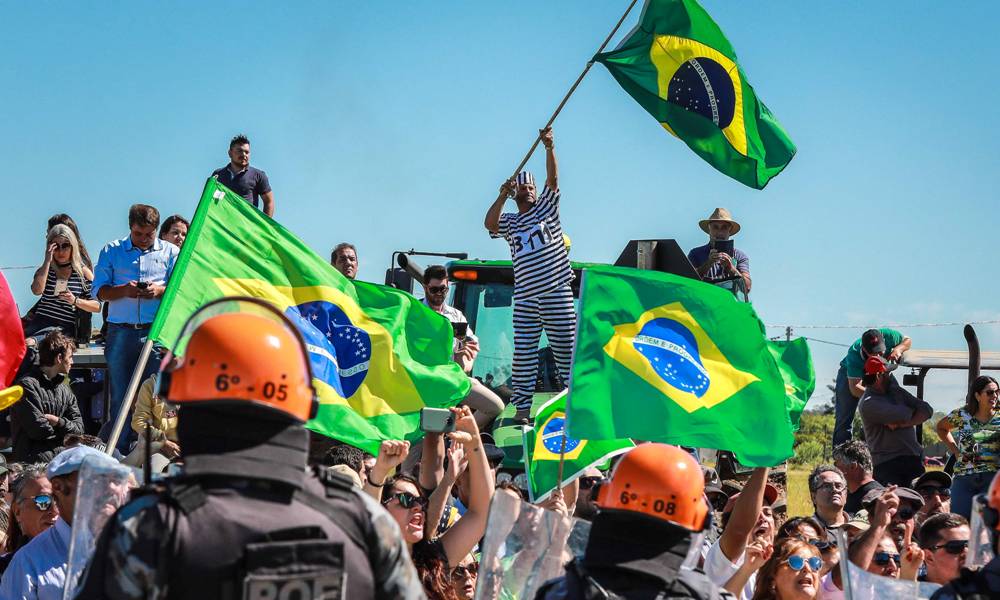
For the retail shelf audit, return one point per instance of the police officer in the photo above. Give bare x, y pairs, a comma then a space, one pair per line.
983, 584
651, 518
246, 519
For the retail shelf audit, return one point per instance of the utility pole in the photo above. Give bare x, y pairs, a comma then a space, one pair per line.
788, 334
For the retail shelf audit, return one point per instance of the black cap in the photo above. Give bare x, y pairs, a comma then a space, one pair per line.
932, 477
872, 342
494, 454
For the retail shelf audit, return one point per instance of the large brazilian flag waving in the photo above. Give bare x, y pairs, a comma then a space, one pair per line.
378, 354
665, 358
680, 67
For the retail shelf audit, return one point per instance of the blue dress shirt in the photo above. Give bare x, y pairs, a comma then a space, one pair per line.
38, 570
121, 262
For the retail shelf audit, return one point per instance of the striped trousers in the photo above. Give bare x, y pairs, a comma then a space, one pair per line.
554, 312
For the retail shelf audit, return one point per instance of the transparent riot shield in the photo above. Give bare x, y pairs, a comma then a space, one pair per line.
980, 548
101, 489
524, 547
859, 584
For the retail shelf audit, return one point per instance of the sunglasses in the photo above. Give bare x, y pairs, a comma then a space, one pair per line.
587, 483
462, 571
906, 513
437, 289
930, 490
797, 562
992, 392
953, 547
43, 502
821, 545
882, 558
64, 246
407, 500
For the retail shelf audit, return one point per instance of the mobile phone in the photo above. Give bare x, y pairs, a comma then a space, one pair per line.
142, 285
461, 330
437, 420
724, 246
61, 286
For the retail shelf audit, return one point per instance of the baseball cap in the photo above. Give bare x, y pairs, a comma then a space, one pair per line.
70, 460
770, 497
859, 520
872, 342
874, 366
932, 477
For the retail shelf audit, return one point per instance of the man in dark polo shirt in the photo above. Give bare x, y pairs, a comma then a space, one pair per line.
245, 180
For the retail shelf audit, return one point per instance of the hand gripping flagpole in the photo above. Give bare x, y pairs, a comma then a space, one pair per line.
133, 385
572, 89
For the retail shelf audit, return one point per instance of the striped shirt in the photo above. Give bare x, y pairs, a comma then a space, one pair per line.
541, 263
55, 310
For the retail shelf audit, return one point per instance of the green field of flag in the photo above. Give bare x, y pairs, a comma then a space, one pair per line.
378, 354
679, 66
547, 439
660, 357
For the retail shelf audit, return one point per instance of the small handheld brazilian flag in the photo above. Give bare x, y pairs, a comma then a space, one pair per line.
679, 66
664, 358
378, 354
544, 442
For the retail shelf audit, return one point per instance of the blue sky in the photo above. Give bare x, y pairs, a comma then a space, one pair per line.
391, 125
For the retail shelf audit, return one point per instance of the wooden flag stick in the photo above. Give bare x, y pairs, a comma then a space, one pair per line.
572, 89
562, 458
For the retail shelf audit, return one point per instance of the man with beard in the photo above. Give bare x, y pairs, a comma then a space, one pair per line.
935, 489
485, 404
828, 490
542, 275
746, 519
652, 515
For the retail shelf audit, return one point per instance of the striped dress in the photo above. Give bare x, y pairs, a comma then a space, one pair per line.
53, 310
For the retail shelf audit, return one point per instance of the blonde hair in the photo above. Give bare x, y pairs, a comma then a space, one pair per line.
63, 231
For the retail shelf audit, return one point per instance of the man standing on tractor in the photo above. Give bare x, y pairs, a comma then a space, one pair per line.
542, 275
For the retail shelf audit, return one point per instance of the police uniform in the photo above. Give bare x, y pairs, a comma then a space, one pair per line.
636, 557
983, 584
246, 520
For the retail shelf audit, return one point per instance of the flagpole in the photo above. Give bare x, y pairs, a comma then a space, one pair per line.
572, 89
133, 385
562, 459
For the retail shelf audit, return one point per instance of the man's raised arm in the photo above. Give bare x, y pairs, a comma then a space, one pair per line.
551, 167
492, 221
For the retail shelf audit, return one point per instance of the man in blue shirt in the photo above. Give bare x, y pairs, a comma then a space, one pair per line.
131, 276
243, 179
713, 264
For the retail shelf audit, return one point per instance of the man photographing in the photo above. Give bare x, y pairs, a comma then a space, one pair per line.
542, 274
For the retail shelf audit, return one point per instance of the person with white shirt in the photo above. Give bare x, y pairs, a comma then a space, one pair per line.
38, 570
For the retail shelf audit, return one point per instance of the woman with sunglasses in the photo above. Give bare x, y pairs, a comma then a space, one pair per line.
809, 530
791, 572
32, 511
464, 577
972, 434
407, 504
63, 282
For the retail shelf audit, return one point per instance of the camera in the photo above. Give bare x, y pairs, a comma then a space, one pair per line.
142, 285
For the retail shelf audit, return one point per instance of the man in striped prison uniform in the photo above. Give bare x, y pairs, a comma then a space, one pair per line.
542, 275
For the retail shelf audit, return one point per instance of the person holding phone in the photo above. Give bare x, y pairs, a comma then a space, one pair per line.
64, 283
485, 404
719, 259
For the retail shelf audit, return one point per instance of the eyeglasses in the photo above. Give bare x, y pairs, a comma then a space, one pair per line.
882, 558
836, 486
930, 490
407, 500
797, 562
992, 392
953, 547
64, 246
43, 502
587, 483
437, 289
462, 571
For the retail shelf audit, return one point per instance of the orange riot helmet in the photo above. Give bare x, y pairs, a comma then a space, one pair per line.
661, 481
237, 350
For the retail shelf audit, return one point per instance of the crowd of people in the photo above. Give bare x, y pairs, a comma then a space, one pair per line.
409, 521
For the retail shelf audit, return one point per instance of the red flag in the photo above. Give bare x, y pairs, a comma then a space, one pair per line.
12, 346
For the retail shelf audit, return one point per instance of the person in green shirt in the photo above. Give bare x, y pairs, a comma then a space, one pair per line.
890, 345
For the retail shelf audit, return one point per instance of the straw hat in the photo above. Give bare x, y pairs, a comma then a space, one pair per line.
720, 214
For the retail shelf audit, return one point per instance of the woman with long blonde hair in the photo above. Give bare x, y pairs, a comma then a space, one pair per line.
63, 282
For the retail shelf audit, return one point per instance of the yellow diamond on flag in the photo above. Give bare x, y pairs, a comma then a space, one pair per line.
670, 351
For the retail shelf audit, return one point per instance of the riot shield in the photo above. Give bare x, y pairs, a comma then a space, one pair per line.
101, 489
980, 547
859, 584
524, 547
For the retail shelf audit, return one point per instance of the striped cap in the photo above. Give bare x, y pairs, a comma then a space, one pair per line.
525, 178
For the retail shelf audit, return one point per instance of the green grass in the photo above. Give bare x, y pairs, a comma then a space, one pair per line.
799, 503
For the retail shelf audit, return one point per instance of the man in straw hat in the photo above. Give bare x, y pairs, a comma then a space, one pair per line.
542, 274
714, 263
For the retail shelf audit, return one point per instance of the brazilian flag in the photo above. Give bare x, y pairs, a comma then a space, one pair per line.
665, 358
378, 354
547, 440
680, 67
